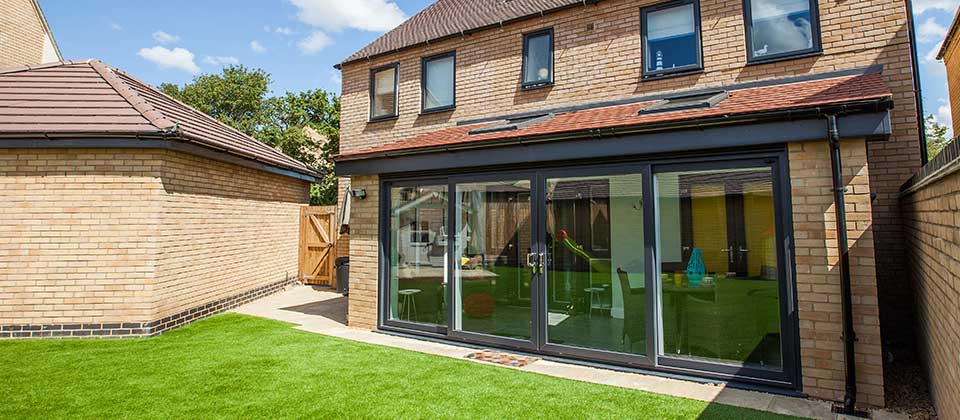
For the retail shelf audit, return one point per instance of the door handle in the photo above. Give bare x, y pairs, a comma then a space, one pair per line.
542, 263
530, 260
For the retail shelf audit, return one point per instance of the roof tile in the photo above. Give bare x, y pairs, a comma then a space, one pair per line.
89, 97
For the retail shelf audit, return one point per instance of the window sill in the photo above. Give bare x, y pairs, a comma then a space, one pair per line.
680, 73
382, 119
760, 61
437, 110
535, 86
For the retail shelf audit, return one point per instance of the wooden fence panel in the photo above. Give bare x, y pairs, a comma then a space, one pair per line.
318, 253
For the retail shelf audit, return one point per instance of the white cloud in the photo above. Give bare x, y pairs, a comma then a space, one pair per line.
944, 116
257, 47
219, 60
177, 58
314, 43
116, 26
366, 15
930, 30
165, 38
336, 78
920, 6
931, 56
282, 30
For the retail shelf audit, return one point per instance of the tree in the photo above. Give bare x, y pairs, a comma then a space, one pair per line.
303, 125
937, 138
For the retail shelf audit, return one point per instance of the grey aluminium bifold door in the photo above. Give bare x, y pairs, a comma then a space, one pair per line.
496, 265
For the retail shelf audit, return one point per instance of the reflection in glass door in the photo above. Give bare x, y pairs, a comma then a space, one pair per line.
720, 277
495, 264
595, 267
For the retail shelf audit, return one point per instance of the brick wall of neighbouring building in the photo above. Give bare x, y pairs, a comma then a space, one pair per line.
951, 58
598, 58
100, 238
818, 273
23, 38
931, 210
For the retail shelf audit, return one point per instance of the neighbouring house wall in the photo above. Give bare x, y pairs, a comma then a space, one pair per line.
818, 273
122, 241
364, 254
932, 224
951, 58
76, 235
224, 229
23, 39
604, 63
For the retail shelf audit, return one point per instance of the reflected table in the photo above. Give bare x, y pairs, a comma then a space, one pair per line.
678, 299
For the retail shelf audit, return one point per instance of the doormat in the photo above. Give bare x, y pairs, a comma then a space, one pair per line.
505, 359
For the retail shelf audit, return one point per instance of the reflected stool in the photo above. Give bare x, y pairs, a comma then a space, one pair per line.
408, 303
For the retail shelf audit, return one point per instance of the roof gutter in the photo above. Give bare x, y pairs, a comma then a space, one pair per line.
498, 24
875, 105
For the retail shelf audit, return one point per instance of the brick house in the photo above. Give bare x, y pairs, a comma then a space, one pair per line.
25, 37
649, 184
128, 213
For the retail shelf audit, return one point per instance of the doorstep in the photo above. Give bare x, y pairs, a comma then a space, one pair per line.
324, 312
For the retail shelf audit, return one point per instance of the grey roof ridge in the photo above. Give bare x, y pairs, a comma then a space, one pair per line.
18, 69
204, 115
152, 115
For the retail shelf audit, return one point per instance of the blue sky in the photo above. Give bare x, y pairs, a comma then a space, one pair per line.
299, 41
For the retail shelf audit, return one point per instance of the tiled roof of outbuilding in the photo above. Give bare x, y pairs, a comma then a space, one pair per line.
454, 17
88, 98
598, 120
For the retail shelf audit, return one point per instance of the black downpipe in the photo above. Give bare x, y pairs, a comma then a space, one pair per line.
918, 94
849, 336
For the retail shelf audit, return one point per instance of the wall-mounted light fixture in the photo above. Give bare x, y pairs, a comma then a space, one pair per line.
358, 193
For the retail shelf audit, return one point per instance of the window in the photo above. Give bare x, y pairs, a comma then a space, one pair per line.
684, 102
781, 28
538, 59
383, 92
439, 82
671, 38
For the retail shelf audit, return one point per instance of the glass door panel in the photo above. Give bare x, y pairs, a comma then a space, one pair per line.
720, 276
495, 263
418, 254
596, 294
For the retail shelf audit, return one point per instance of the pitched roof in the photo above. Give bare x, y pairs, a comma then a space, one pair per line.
744, 102
89, 98
949, 38
455, 17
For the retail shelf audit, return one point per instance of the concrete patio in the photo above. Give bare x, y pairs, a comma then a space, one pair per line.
324, 312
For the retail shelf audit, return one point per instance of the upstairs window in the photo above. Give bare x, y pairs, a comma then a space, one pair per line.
781, 29
383, 92
671, 38
439, 83
538, 59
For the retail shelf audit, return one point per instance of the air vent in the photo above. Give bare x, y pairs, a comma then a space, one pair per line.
684, 102
512, 124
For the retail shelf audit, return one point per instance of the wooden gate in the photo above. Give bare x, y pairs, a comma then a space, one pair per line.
317, 252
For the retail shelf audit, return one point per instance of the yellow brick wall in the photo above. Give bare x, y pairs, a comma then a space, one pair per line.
224, 229
818, 273
364, 252
75, 229
98, 235
21, 34
931, 219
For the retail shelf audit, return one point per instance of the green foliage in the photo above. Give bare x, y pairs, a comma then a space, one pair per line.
233, 366
303, 125
937, 138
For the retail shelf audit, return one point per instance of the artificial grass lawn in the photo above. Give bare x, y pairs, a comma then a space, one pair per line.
232, 366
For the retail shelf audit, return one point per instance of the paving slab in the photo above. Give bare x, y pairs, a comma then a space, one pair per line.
324, 312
